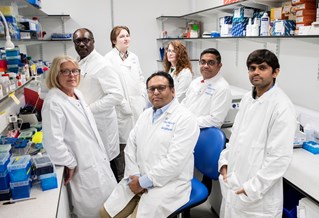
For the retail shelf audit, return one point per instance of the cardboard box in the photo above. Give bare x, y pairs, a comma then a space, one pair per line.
283, 28
226, 2
276, 14
305, 19
242, 14
295, 2
307, 5
309, 12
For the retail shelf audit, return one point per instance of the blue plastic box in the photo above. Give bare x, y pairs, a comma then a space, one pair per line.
311, 146
48, 181
4, 161
4, 180
20, 189
5, 195
20, 168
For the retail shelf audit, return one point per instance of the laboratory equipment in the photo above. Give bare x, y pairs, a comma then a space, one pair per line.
20, 168
48, 181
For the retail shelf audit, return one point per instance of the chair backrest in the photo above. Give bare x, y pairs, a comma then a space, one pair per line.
210, 143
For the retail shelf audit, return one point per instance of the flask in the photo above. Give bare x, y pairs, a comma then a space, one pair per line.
264, 25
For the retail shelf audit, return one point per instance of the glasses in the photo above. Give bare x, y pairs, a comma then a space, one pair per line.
170, 51
83, 40
160, 89
209, 63
67, 72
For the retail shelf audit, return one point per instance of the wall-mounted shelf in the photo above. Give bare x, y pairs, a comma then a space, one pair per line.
307, 38
16, 90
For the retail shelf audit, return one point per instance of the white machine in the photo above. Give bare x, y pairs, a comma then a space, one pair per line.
237, 94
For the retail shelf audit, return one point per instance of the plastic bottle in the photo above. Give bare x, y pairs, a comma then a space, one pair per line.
255, 27
249, 28
264, 25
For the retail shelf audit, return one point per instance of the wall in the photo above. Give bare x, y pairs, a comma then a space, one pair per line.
139, 16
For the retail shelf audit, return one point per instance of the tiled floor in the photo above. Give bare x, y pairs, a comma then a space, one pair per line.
203, 211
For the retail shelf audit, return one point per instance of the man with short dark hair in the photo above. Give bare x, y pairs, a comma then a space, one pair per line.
208, 96
260, 147
101, 88
158, 156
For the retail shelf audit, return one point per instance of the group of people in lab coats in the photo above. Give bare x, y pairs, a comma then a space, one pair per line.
88, 124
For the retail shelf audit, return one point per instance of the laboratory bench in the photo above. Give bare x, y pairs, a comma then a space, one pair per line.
49, 204
303, 173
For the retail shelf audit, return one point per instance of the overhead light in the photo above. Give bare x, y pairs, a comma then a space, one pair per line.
9, 44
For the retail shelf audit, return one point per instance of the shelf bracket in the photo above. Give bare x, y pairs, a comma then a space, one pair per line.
277, 47
237, 50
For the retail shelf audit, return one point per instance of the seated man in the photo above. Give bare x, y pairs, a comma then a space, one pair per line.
208, 96
158, 156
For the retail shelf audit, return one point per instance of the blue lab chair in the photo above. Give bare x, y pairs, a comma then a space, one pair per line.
210, 143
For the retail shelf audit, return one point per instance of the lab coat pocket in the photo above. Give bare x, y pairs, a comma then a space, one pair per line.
124, 109
223, 186
256, 156
89, 178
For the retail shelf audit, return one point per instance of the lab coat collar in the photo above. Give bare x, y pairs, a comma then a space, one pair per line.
213, 79
266, 95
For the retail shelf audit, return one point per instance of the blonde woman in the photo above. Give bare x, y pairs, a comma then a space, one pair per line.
72, 140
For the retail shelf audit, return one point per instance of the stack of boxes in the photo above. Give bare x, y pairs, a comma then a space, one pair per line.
9, 13
20, 171
305, 12
44, 171
240, 20
13, 60
5, 193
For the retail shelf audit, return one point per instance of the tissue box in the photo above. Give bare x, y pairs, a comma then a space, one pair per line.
283, 28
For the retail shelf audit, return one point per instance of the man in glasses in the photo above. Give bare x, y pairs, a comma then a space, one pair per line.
101, 88
261, 145
208, 96
158, 156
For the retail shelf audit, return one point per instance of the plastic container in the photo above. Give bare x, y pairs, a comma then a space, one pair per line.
48, 181
264, 25
42, 165
311, 146
6, 148
5, 195
20, 168
20, 189
21, 147
4, 180
4, 161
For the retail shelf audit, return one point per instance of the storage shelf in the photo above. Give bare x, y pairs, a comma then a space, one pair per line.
307, 38
28, 10
16, 90
228, 9
28, 42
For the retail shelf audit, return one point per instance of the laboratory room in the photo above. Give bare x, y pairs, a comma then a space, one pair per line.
204, 104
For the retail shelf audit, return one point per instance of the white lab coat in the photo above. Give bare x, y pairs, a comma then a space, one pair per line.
134, 89
163, 151
257, 155
209, 101
182, 82
71, 138
102, 91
